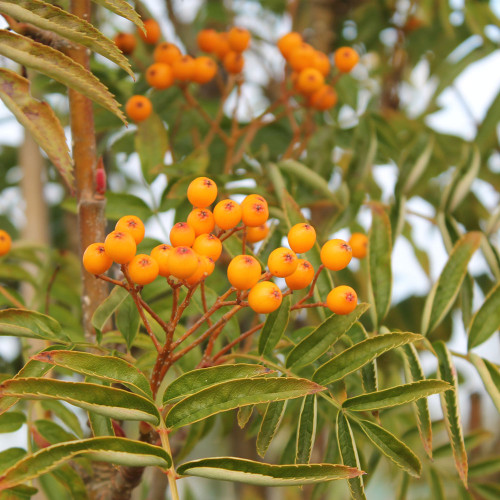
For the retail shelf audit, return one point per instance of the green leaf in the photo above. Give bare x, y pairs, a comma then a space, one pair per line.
472, 440
52, 432
151, 143
359, 355
486, 136
235, 393
118, 204
414, 374
120, 451
108, 401
56, 65
128, 320
449, 404
419, 167
10, 456
274, 327
445, 290
64, 414
369, 372
29, 324
108, 368
197, 380
123, 9
39, 118
486, 376
106, 309
11, 421
323, 337
349, 453
379, 261
306, 176
269, 426
392, 447
436, 485
485, 467
395, 396
486, 321
306, 429
250, 472
244, 414
487, 491
54, 19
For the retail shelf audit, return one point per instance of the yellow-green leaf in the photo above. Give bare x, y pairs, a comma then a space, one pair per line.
306, 429
274, 327
269, 426
30, 324
11, 421
486, 321
486, 376
123, 9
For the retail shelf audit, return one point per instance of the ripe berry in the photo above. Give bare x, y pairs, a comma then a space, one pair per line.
301, 237
133, 225
199, 274
257, 233
321, 62
201, 220
302, 57
239, 39
202, 192
138, 108
207, 40
301, 277
182, 262
243, 272
227, 214
233, 62
359, 245
209, 264
204, 69
126, 42
309, 80
182, 235
324, 98
254, 211
160, 254
208, 245
153, 32
143, 269
120, 246
345, 59
222, 46
160, 76
166, 53
265, 297
342, 300
95, 260
289, 42
5, 242
282, 262
184, 68
336, 254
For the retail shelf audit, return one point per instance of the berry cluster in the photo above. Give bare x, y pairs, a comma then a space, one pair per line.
194, 248
5, 242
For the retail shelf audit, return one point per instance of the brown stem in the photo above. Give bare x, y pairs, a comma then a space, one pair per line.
49, 288
111, 280
311, 289
11, 298
231, 344
204, 302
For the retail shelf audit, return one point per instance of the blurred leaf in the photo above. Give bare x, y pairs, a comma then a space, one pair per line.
30, 324
491, 387
486, 321
418, 167
11, 421
274, 327
368, 372
66, 416
123, 9
128, 320
485, 467
488, 491
306, 176
118, 204
106, 309
486, 136
270, 425
10, 456
52, 432
437, 488
244, 414
306, 429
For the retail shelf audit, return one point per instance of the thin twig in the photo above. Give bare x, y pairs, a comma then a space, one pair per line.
11, 298
49, 288
231, 344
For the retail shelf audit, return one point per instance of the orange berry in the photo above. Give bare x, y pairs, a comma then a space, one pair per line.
336, 254
301, 237
209, 264
182, 235
120, 246
222, 46
359, 244
153, 32
201, 220
233, 62
208, 245
301, 277
126, 42
238, 38
324, 98
143, 269
289, 42
160, 254
202, 192
199, 274
138, 108
184, 68
5, 242
204, 69
133, 225
321, 62
95, 260
243, 272
207, 40
166, 53
265, 297
182, 262
302, 57
309, 80
160, 76
254, 211
282, 262
257, 233
342, 300
227, 214
345, 59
